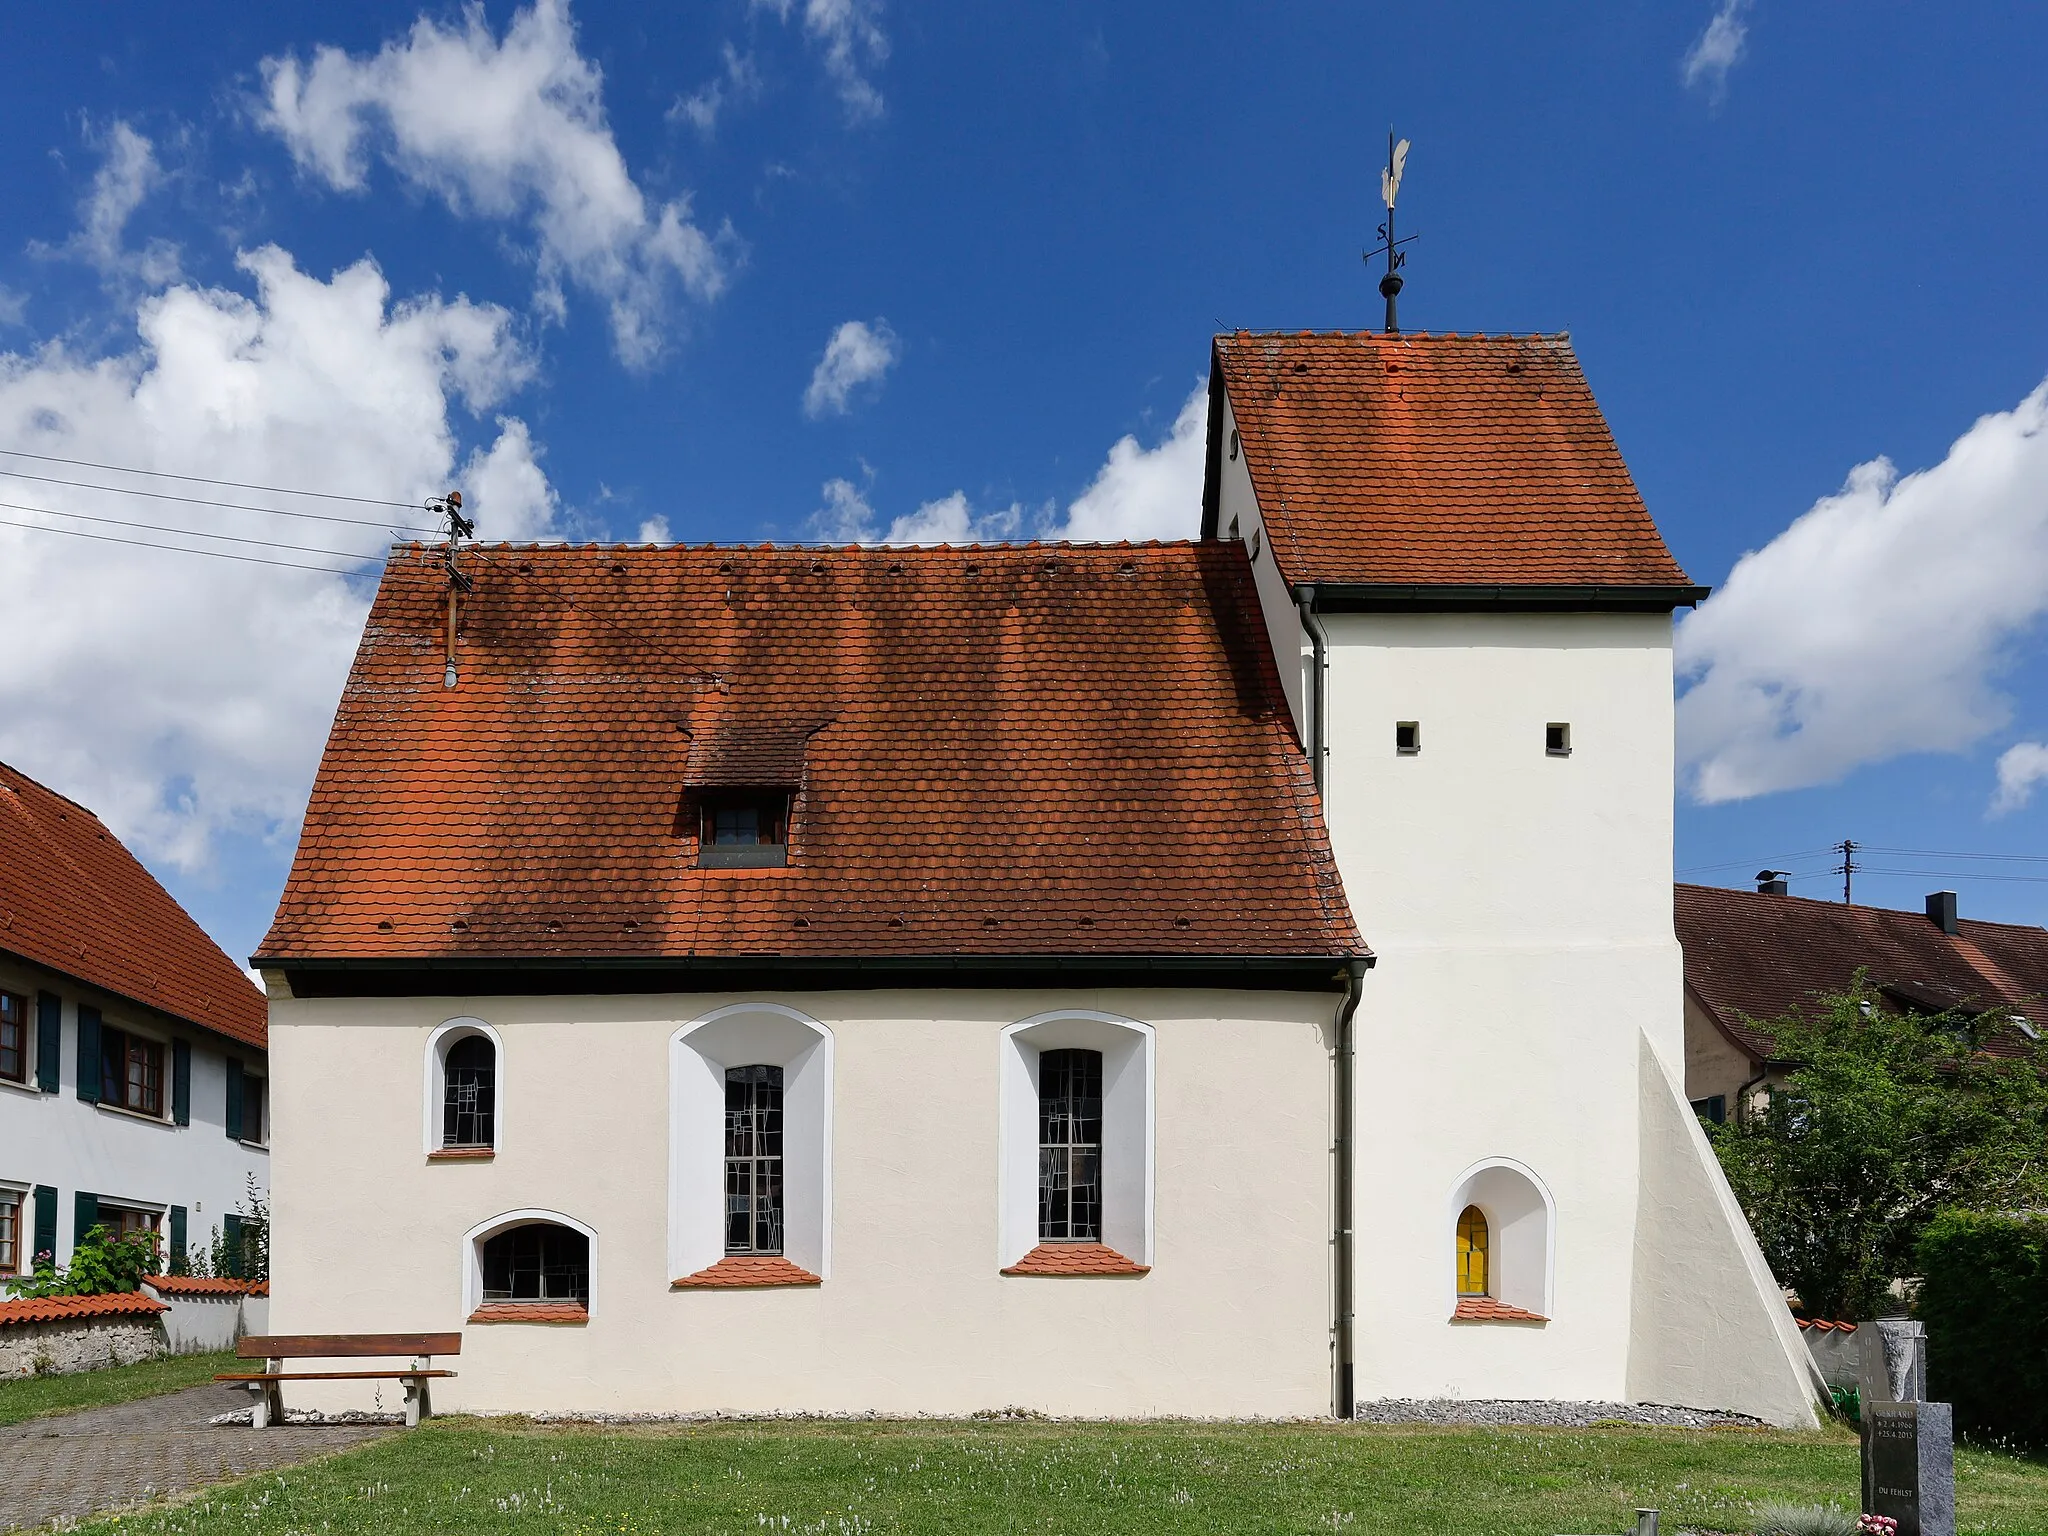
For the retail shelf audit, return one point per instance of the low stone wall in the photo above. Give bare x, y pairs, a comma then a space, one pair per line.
63, 1345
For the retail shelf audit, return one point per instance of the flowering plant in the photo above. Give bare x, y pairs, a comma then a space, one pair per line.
1877, 1525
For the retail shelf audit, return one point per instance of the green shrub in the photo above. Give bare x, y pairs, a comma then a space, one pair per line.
1985, 1302
1804, 1520
101, 1265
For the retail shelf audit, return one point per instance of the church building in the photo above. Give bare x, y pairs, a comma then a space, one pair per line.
1227, 977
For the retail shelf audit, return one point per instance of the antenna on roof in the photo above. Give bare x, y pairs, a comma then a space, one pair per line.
1390, 188
459, 528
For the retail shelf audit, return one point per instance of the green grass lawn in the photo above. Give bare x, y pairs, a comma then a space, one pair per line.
33, 1396
463, 1475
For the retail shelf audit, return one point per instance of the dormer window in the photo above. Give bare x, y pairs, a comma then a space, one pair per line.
743, 830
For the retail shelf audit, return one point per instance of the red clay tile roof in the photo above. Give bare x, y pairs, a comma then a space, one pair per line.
1435, 460
747, 1271
61, 1309
202, 1285
1752, 959
74, 900
530, 1312
1002, 752
1484, 1309
1060, 1259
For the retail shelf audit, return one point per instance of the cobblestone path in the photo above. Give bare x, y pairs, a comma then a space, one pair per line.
80, 1464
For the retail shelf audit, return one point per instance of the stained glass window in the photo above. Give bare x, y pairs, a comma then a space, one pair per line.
1473, 1276
1070, 1146
537, 1262
469, 1109
753, 1160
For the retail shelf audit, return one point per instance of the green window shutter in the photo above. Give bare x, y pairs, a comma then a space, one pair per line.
234, 1115
46, 1223
177, 1239
49, 1039
181, 1081
88, 1053
85, 1215
231, 1238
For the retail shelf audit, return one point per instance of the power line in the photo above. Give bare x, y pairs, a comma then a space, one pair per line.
1950, 853
177, 549
188, 533
201, 501
238, 485
1804, 853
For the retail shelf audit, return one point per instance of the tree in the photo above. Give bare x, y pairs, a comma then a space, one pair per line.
1886, 1120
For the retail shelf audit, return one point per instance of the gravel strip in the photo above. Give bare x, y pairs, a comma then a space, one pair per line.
1548, 1414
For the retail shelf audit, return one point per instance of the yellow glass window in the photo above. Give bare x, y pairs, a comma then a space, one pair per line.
1472, 1266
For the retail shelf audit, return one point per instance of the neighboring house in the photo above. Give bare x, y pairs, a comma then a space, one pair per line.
133, 1076
1754, 957
931, 979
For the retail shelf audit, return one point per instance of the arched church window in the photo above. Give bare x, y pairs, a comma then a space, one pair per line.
1473, 1243
469, 1100
753, 1160
1070, 1146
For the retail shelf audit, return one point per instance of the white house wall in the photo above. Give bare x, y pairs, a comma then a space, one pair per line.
915, 1316
58, 1140
1238, 507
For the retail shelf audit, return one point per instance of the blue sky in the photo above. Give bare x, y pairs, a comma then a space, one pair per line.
591, 261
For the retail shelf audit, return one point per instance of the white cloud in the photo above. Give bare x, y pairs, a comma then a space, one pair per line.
2020, 768
505, 128
1139, 493
1876, 624
654, 531
182, 697
1717, 50
128, 173
738, 82
850, 37
13, 306
857, 355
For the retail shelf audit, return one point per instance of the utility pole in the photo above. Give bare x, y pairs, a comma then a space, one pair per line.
1847, 850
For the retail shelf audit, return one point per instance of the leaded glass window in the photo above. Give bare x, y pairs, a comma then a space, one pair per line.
1473, 1278
1070, 1146
753, 1160
537, 1262
469, 1108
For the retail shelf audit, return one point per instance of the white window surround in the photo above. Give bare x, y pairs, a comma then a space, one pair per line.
1127, 1112
473, 1251
438, 1044
1521, 1229
749, 1035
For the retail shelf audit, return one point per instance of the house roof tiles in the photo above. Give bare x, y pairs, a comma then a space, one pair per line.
1012, 751
74, 900
1751, 958
61, 1309
1434, 460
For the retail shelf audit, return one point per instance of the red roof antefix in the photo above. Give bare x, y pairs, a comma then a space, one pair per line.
530, 1312
1436, 460
1484, 1309
59, 1309
1752, 957
1011, 751
203, 1285
74, 900
1062, 1259
747, 1271
1820, 1326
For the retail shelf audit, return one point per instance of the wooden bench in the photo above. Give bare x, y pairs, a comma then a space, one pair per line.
276, 1349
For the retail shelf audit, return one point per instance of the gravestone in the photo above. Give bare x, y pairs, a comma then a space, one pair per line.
1909, 1454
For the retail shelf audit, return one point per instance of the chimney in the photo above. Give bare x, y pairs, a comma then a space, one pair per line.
1770, 882
1941, 910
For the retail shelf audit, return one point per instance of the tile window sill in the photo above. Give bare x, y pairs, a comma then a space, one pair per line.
27, 1086
743, 1272
1484, 1309
462, 1154
530, 1312
1072, 1261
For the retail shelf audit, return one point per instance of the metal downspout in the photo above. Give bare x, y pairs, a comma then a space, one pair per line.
1341, 1243
1319, 667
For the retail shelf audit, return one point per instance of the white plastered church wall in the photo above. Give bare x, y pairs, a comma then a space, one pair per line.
1520, 907
914, 1317
1237, 508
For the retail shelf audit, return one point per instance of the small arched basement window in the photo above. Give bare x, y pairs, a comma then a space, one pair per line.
1472, 1245
469, 1101
537, 1262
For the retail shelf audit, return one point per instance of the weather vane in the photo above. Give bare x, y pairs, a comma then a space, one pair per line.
1390, 188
